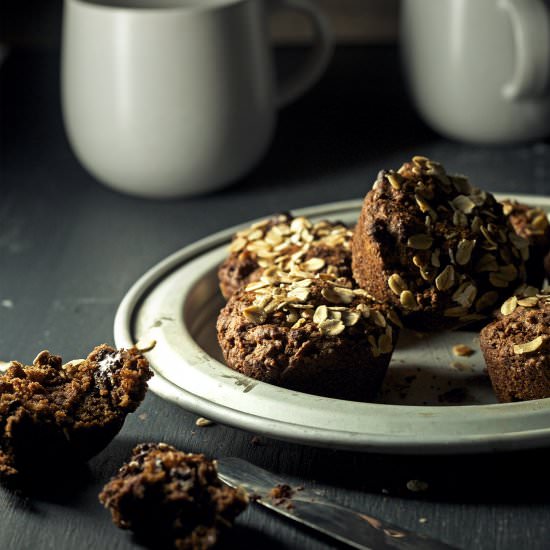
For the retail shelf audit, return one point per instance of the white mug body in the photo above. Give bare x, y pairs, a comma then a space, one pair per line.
165, 101
459, 57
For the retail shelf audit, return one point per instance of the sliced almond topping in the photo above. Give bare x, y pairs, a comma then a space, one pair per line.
462, 350
446, 279
331, 327
350, 318
255, 314
321, 313
313, 264
519, 242
422, 203
540, 222
496, 279
256, 285
420, 160
408, 300
300, 293
394, 318
303, 283
346, 294
455, 311
292, 317
531, 301
487, 262
299, 323
464, 204
528, 347
397, 284
460, 219
509, 306
203, 422
145, 345
385, 343
466, 296
378, 318
464, 251
395, 181
421, 241
237, 244
364, 310
508, 272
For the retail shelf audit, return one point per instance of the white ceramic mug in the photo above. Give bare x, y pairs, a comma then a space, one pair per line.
479, 70
166, 98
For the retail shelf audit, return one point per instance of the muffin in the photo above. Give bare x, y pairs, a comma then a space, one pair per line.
172, 498
516, 349
531, 224
62, 413
315, 334
286, 242
435, 247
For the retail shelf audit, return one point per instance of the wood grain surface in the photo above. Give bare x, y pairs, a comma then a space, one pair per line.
70, 249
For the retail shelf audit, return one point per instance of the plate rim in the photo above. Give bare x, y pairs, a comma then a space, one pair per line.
124, 324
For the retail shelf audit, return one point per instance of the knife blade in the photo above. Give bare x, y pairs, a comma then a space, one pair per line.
305, 506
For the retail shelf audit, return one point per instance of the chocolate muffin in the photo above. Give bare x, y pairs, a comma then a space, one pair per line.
435, 247
62, 413
172, 498
516, 349
531, 224
315, 334
286, 242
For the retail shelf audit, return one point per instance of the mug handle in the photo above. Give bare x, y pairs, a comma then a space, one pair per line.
317, 58
531, 29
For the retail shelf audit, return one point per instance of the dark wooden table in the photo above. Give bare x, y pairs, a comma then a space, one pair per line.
70, 249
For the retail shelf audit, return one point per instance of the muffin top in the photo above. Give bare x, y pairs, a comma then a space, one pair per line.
447, 246
530, 223
321, 305
285, 241
525, 323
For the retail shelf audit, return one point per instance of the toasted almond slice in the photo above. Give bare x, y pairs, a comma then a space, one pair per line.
462, 350
446, 279
397, 284
531, 301
529, 347
420, 241
509, 306
255, 314
238, 244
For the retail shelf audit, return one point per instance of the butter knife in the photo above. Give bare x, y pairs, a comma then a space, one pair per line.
307, 507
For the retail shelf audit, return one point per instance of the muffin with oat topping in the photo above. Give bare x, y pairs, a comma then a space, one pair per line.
171, 498
60, 413
531, 224
516, 349
436, 247
317, 334
286, 242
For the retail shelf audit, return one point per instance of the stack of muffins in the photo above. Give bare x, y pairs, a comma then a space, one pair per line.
317, 307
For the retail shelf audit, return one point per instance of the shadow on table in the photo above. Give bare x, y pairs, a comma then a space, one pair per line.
510, 477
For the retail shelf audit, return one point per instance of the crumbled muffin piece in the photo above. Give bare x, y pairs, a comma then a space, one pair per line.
516, 349
531, 224
316, 334
172, 497
435, 247
287, 243
66, 412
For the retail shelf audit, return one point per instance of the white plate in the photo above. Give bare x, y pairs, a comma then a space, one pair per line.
177, 302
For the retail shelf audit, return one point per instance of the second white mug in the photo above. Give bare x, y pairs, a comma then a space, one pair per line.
165, 98
479, 70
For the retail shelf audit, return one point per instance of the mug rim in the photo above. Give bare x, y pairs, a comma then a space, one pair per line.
155, 6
